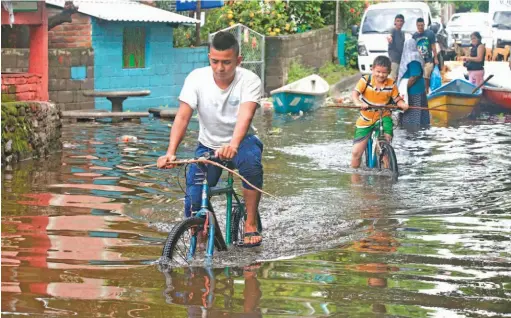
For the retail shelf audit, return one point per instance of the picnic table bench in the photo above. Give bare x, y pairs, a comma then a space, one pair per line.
116, 97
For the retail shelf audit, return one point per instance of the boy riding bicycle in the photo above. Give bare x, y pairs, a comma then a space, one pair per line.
372, 91
226, 97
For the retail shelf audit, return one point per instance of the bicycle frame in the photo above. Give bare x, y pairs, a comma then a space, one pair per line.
373, 143
208, 212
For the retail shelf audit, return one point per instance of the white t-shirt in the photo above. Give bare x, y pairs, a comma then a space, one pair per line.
218, 108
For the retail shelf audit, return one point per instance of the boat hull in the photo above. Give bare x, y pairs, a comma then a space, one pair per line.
458, 107
287, 102
455, 101
303, 95
498, 96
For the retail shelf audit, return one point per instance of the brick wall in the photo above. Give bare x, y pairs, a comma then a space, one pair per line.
21, 87
164, 72
66, 84
15, 60
313, 49
70, 35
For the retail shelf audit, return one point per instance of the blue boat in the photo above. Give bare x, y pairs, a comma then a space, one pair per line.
306, 94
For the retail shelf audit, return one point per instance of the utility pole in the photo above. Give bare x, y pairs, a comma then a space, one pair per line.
336, 16
197, 26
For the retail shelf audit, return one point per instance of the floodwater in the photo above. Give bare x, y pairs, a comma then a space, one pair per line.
82, 237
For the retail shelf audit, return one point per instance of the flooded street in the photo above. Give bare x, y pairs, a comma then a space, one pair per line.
82, 238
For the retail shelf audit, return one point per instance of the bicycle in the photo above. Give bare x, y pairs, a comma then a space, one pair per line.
205, 222
379, 152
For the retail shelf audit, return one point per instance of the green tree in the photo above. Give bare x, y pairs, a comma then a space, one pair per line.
468, 6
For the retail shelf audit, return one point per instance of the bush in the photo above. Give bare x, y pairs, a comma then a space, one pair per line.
268, 17
297, 71
331, 72
351, 51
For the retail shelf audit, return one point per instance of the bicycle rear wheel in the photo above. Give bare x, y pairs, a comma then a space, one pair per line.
182, 243
238, 224
387, 158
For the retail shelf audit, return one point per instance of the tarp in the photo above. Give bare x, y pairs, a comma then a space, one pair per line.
187, 5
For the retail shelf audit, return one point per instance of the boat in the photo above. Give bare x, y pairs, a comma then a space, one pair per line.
498, 96
306, 94
455, 98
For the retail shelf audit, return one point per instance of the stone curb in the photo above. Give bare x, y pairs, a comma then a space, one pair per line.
344, 84
163, 112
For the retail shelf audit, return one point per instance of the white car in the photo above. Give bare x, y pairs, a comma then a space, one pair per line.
462, 25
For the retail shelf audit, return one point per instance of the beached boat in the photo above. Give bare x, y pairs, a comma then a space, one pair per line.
304, 95
498, 96
456, 97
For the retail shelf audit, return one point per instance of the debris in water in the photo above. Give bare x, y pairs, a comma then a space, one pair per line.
127, 138
275, 131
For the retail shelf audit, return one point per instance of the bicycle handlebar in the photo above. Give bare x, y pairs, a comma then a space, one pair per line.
202, 159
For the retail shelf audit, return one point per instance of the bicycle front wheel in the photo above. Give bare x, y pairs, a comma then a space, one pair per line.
186, 240
387, 158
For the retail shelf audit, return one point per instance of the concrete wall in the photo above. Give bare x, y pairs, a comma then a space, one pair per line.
29, 129
15, 60
164, 71
313, 49
65, 65
70, 35
71, 73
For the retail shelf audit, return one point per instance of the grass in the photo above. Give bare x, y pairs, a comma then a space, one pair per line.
332, 73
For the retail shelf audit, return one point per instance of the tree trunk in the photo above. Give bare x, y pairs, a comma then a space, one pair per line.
64, 16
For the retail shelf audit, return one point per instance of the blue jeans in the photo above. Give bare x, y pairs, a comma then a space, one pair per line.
247, 161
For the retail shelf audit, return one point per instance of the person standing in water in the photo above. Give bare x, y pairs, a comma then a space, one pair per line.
396, 41
475, 62
411, 70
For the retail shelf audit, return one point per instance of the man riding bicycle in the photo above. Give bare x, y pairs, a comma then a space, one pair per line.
226, 97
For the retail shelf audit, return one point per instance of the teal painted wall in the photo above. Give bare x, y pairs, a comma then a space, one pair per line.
165, 69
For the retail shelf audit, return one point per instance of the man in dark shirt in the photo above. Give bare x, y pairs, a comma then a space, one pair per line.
426, 45
396, 42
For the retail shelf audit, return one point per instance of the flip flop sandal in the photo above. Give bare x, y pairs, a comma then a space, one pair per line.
253, 267
248, 235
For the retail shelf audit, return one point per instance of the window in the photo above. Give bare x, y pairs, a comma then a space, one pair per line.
382, 20
133, 48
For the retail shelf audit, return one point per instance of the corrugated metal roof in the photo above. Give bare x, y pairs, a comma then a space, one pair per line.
122, 10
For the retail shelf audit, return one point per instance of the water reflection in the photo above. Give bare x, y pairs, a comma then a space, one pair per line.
81, 237
379, 237
208, 292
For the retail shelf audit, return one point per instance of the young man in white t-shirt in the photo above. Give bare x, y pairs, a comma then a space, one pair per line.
226, 97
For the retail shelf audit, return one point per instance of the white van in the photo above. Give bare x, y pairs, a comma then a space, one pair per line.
378, 21
462, 25
500, 21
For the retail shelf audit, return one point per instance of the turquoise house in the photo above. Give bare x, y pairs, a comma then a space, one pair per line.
133, 50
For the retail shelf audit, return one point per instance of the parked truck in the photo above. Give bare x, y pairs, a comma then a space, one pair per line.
500, 21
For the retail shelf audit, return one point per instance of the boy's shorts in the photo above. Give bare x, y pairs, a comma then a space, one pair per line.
362, 134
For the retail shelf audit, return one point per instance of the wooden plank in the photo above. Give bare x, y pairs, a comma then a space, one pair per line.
82, 114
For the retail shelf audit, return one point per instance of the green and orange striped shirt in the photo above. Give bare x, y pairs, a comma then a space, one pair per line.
375, 96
